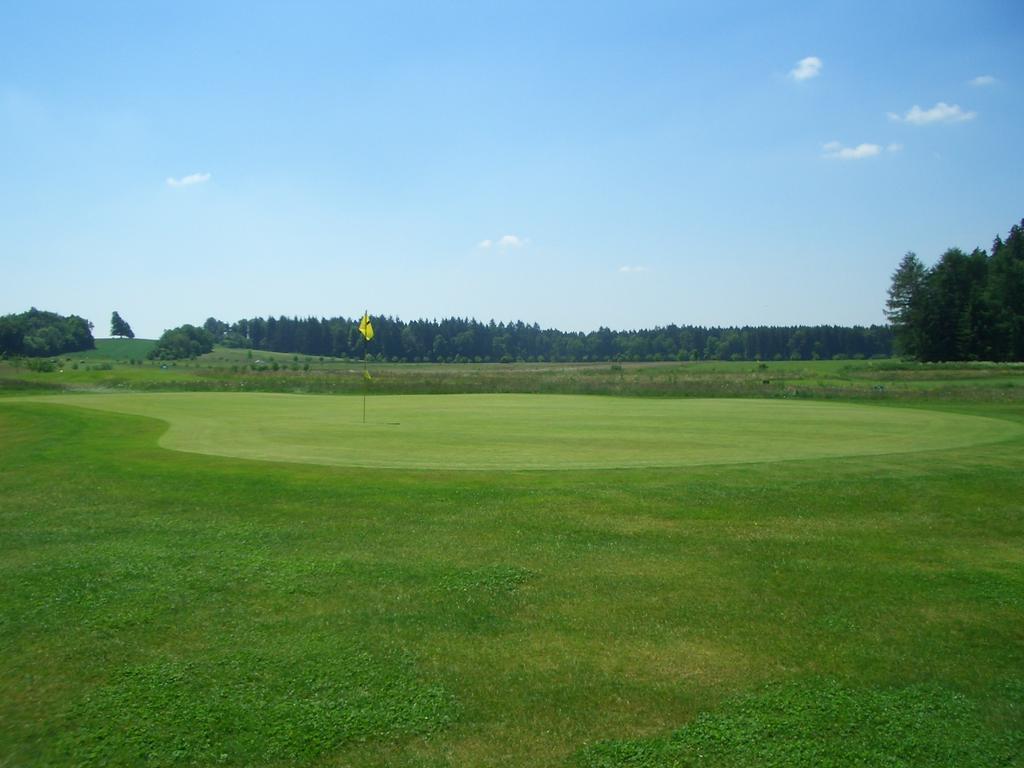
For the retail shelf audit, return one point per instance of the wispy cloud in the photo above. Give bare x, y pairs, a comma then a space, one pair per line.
982, 80
940, 113
503, 242
836, 150
631, 269
806, 68
188, 181
894, 148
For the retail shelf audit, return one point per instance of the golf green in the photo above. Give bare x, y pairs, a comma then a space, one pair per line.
501, 431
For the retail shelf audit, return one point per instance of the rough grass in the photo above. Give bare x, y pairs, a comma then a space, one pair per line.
233, 370
167, 608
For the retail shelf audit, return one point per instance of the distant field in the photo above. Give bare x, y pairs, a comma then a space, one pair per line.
537, 431
117, 350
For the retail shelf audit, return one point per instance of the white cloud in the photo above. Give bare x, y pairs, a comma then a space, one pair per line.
982, 80
836, 150
940, 113
894, 148
806, 68
633, 269
511, 241
503, 242
188, 181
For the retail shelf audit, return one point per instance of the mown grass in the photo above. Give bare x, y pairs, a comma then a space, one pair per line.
812, 724
505, 432
164, 608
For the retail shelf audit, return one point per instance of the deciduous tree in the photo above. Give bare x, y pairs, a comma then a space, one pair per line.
118, 327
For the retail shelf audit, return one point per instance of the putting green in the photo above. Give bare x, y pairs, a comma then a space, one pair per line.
536, 431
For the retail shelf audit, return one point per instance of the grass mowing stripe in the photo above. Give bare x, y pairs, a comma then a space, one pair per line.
823, 723
243, 708
538, 431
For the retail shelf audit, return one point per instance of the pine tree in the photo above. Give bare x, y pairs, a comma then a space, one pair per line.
903, 307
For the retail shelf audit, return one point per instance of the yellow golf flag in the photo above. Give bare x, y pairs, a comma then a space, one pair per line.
366, 327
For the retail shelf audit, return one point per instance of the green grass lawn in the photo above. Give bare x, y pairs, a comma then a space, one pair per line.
537, 431
168, 608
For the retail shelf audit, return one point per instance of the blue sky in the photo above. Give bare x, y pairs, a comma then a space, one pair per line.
573, 164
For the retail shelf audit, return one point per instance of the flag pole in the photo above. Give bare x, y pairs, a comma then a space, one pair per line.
366, 329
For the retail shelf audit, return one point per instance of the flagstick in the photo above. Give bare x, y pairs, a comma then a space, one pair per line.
367, 331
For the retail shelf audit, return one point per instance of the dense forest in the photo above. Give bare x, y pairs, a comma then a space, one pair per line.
37, 334
969, 306
464, 340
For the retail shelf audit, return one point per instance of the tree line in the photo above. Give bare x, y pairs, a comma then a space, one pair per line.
469, 340
968, 306
36, 333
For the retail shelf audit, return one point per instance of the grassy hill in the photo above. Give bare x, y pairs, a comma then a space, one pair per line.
116, 350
